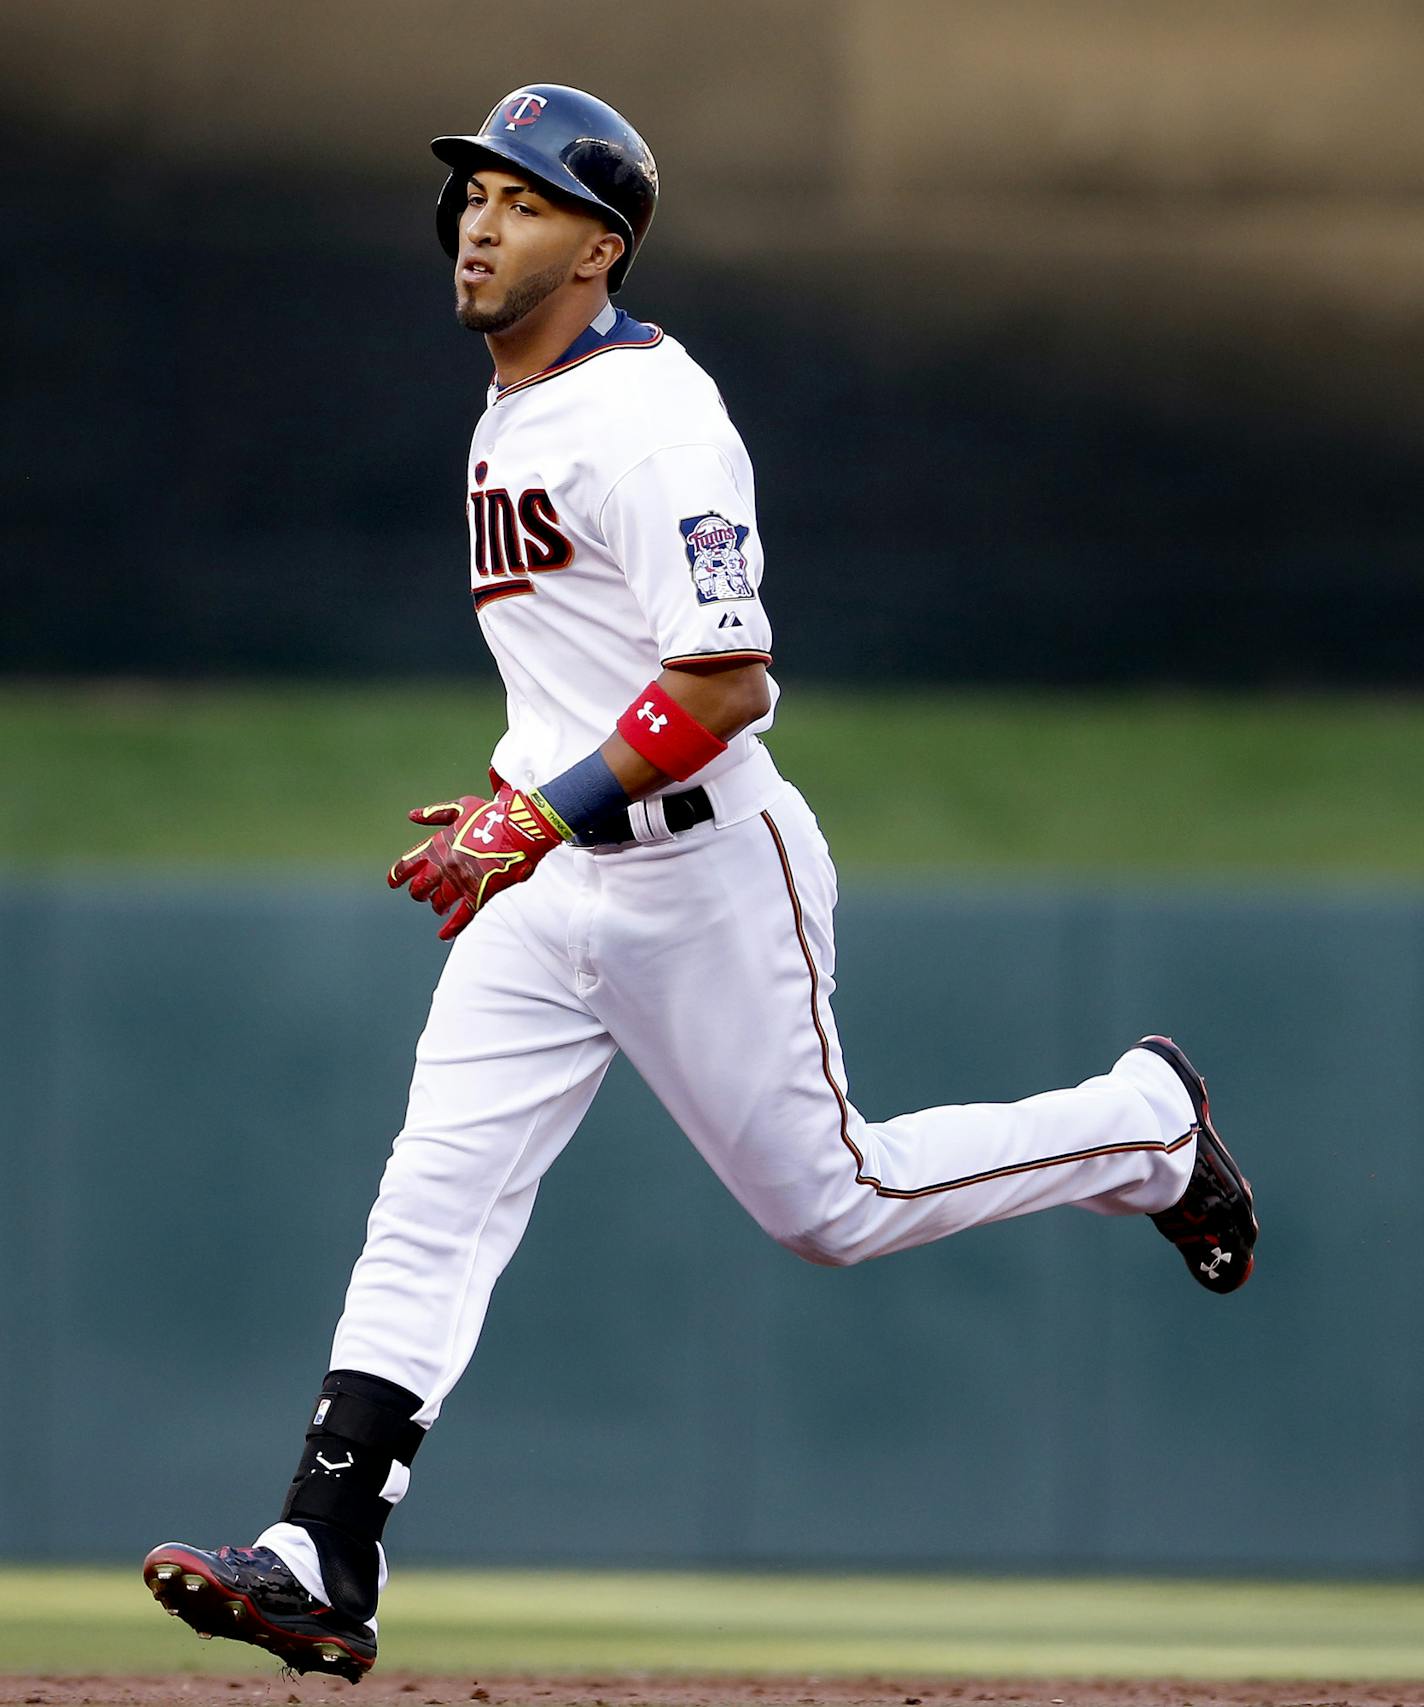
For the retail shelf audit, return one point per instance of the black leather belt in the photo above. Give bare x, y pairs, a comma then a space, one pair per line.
682, 811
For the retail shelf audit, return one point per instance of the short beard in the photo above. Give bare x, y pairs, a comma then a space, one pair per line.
523, 297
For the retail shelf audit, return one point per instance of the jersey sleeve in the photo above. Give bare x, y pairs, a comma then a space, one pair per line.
686, 538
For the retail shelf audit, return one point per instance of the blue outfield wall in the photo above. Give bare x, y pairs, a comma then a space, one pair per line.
199, 1089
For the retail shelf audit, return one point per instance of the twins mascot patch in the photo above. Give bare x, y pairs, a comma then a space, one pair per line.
714, 550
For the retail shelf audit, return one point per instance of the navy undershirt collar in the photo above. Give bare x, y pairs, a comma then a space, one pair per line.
609, 328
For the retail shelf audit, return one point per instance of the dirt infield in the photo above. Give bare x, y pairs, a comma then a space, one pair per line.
408, 1689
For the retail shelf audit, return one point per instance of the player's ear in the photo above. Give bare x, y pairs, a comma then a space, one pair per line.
600, 256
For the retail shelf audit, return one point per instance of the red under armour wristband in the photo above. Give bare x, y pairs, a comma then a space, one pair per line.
656, 726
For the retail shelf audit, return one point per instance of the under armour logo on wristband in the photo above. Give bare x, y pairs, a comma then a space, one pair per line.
667, 735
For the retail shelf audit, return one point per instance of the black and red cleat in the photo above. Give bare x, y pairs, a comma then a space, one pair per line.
249, 1595
1214, 1223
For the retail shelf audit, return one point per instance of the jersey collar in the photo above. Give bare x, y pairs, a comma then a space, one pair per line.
611, 329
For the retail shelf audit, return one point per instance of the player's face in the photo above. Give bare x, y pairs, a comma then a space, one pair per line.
517, 247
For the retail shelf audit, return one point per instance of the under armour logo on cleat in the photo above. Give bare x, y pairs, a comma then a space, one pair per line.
1212, 1269
336, 1469
653, 719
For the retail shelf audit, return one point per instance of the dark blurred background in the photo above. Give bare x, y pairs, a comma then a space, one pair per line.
1075, 343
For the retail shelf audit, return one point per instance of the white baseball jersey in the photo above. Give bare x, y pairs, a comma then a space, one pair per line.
613, 532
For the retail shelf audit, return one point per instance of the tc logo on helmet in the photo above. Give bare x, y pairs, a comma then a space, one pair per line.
522, 109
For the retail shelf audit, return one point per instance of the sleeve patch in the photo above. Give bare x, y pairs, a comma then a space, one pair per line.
714, 554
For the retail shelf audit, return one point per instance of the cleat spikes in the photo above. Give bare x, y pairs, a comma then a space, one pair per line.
247, 1594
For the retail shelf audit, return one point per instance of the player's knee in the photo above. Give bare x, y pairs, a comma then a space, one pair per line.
825, 1247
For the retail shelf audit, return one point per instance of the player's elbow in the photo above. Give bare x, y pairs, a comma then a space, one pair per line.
746, 699
758, 693
725, 696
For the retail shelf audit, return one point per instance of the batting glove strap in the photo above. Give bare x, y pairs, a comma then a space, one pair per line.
667, 736
540, 804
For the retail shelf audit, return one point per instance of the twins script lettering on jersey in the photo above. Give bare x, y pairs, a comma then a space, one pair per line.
512, 539
513, 536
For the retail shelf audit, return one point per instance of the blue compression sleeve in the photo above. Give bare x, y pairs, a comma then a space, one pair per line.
585, 793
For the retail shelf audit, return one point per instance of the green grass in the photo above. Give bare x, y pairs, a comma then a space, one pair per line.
316, 779
523, 1621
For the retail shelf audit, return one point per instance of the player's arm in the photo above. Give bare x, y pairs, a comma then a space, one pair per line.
478, 847
724, 695
678, 724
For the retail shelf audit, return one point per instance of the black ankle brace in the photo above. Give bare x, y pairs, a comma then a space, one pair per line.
360, 1432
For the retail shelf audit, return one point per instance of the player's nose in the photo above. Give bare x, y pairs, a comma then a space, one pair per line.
480, 227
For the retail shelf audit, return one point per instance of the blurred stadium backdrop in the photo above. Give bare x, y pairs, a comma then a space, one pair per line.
1079, 349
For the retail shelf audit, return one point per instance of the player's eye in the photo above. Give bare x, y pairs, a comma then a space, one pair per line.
524, 207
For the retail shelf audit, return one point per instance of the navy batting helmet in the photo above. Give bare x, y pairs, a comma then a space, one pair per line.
569, 142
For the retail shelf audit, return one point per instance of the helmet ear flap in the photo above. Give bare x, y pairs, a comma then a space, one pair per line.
448, 208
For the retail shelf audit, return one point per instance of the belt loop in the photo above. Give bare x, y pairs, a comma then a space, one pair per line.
648, 821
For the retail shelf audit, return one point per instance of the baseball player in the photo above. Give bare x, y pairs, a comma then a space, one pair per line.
638, 877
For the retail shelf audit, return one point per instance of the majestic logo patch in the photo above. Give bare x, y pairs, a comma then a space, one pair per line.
714, 550
522, 109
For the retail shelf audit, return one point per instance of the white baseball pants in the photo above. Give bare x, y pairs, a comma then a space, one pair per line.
708, 959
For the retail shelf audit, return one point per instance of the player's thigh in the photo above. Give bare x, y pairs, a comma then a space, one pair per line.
510, 1055
722, 1003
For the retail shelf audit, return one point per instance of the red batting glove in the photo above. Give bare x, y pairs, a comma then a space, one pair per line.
479, 848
